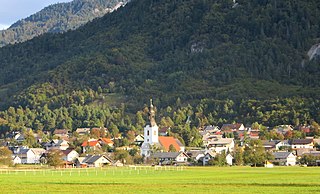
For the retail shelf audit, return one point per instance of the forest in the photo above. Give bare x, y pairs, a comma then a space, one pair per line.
56, 18
204, 61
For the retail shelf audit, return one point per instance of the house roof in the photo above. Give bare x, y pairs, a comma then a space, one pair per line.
270, 143
164, 129
60, 132
38, 151
67, 151
91, 143
195, 153
93, 158
167, 141
301, 141
83, 130
231, 126
106, 140
281, 155
223, 141
172, 155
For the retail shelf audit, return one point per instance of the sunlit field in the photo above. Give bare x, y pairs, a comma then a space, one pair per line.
162, 180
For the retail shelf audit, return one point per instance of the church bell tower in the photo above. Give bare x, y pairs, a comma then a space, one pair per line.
150, 132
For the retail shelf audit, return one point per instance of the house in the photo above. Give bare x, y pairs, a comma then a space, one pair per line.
91, 144
196, 155
96, 160
301, 143
30, 156
62, 133
223, 144
211, 129
169, 158
209, 155
166, 142
254, 134
69, 155
16, 160
229, 159
232, 127
138, 140
83, 131
270, 144
283, 128
59, 144
285, 158
164, 131
106, 141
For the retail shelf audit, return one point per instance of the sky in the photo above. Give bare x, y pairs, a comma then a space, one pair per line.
14, 10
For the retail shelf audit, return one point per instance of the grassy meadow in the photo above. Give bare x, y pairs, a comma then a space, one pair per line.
162, 180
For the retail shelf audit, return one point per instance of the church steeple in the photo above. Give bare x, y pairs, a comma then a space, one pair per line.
152, 115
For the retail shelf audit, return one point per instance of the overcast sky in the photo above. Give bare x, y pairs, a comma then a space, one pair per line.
14, 10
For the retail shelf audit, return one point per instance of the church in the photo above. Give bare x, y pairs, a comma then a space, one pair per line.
152, 140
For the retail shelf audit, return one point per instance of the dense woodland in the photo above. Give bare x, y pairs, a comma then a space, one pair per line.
203, 62
57, 18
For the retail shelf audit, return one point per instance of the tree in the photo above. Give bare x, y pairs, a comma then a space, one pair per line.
254, 153
54, 158
238, 156
5, 156
172, 148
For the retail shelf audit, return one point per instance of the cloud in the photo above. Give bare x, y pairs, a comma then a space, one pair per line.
4, 26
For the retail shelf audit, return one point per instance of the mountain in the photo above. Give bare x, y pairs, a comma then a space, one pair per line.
169, 49
58, 18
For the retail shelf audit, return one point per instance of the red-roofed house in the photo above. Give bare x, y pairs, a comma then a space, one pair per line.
232, 127
106, 141
165, 142
91, 144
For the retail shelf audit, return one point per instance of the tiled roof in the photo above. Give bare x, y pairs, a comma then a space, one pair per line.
90, 143
106, 140
301, 141
167, 141
67, 151
281, 155
166, 154
60, 131
231, 126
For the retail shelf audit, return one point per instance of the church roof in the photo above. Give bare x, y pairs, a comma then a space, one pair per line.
167, 141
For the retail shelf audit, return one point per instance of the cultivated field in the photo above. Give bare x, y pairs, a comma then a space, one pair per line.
162, 180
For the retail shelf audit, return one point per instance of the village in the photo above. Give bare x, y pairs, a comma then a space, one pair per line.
230, 144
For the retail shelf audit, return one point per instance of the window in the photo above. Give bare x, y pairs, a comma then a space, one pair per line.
155, 133
148, 132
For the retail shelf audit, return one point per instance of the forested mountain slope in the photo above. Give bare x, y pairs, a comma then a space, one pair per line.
166, 49
58, 18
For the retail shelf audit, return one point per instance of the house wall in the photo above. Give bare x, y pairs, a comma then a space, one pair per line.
291, 160
297, 146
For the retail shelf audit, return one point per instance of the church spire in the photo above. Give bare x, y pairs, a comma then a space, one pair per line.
152, 114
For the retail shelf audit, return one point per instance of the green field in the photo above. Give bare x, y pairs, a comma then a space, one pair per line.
164, 180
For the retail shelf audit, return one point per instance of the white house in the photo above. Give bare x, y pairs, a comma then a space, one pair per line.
30, 156
220, 145
166, 158
97, 160
16, 160
301, 143
229, 159
285, 158
70, 155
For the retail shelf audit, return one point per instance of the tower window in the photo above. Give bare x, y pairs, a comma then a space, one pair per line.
155, 133
148, 132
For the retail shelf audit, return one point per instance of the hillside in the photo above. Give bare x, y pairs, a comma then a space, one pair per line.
58, 18
181, 49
